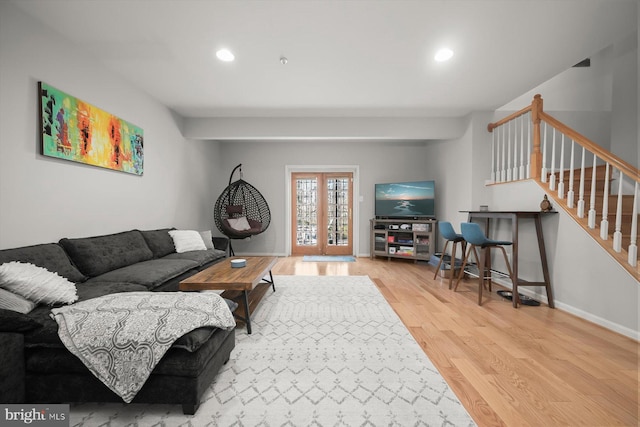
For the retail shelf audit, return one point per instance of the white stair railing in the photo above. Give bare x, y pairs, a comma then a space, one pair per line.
546, 162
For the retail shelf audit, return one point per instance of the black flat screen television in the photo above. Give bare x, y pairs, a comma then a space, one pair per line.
414, 199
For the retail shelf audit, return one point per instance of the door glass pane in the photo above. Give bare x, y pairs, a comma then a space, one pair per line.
307, 211
338, 211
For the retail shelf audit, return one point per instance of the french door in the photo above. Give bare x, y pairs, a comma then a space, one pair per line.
322, 210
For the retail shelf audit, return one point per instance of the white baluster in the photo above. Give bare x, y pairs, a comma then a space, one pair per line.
561, 171
544, 155
529, 148
522, 165
493, 154
570, 193
498, 143
617, 235
633, 248
516, 175
604, 224
503, 172
591, 221
509, 142
581, 191
552, 177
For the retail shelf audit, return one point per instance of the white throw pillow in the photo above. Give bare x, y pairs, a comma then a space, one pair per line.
207, 239
36, 283
187, 240
15, 302
240, 224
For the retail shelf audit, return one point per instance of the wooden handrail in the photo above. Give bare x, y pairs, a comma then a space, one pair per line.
605, 155
510, 117
537, 114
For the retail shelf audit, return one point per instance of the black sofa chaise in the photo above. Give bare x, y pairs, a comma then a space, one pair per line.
36, 367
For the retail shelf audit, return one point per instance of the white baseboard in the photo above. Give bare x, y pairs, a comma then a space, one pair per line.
622, 330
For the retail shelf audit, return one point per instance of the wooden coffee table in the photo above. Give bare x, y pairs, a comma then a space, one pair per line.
222, 276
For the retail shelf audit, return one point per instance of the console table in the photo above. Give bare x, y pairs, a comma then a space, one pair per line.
515, 217
403, 238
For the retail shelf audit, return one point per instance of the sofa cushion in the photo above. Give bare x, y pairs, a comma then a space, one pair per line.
48, 354
97, 255
12, 321
12, 372
193, 340
159, 241
49, 255
177, 361
201, 257
149, 273
47, 334
196, 338
180, 362
94, 289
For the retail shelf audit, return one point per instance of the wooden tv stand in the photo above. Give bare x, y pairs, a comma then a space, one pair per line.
403, 238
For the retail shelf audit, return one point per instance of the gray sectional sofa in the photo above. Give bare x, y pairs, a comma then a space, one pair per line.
35, 366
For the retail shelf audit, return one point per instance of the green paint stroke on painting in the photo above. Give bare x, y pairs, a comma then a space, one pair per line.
74, 130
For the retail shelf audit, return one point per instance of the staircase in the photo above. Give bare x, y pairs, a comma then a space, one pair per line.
602, 197
627, 201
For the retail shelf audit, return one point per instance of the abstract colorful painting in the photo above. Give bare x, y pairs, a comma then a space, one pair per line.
75, 130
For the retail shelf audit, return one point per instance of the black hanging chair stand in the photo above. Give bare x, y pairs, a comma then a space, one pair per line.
241, 211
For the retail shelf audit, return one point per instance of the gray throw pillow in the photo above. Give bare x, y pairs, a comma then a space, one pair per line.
159, 241
100, 254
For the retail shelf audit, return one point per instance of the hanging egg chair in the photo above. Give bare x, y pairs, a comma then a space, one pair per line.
241, 211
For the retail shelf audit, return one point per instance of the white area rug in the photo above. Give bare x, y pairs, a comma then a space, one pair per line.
325, 351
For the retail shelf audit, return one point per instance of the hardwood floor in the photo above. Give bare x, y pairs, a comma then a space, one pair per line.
531, 366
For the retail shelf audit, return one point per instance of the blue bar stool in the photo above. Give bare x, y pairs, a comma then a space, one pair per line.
474, 235
447, 232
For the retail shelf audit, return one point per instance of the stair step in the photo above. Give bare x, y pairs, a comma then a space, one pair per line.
626, 240
588, 171
601, 177
627, 203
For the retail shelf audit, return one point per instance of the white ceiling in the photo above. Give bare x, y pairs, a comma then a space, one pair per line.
345, 58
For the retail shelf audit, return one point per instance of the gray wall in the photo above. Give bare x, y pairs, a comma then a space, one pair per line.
264, 166
624, 121
600, 102
44, 199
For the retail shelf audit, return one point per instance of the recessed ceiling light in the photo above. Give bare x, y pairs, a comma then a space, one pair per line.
444, 54
225, 55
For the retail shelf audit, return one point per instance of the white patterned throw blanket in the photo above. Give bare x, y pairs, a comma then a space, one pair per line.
122, 337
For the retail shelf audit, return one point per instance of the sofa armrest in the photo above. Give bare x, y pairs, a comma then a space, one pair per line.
221, 243
12, 369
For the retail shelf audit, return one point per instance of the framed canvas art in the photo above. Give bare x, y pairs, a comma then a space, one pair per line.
75, 130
